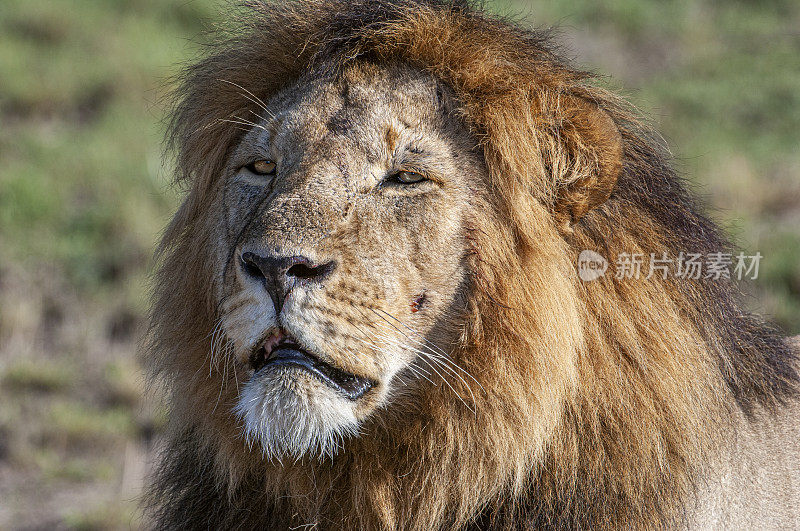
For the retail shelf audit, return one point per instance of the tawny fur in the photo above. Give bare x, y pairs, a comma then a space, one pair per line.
601, 402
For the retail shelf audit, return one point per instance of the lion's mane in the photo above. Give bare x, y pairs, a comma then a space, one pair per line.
600, 400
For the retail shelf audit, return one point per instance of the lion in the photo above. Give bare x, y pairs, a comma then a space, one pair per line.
368, 312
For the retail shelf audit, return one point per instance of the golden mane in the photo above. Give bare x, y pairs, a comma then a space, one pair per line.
599, 400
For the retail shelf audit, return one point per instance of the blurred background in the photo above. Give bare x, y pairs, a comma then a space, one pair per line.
84, 194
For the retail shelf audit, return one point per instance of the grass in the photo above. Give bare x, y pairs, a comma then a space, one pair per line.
83, 196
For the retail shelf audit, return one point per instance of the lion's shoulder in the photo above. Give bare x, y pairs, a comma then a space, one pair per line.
754, 480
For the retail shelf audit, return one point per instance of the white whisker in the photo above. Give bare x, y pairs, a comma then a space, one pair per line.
441, 352
250, 96
434, 359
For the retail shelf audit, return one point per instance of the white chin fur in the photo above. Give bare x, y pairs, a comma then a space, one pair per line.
289, 418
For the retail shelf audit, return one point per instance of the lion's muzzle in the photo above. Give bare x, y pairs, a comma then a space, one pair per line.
280, 274
282, 351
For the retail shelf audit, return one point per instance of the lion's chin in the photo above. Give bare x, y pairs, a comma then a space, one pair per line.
289, 413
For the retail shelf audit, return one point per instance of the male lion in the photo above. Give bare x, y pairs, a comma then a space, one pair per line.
368, 311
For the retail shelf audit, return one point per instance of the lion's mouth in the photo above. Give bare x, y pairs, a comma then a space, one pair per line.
281, 350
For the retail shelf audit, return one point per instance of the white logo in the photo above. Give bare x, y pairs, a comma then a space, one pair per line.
591, 266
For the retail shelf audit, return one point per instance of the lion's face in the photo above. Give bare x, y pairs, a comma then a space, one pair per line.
345, 210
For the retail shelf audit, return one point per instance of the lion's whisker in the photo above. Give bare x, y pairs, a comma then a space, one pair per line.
254, 113
250, 96
401, 345
460, 398
213, 361
241, 121
432, 355
434, 362
430, 344
425, 356
244, 121
392, 342
235, 376
415, 371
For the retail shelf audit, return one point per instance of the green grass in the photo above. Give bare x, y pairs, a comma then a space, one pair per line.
84, 195
29, 376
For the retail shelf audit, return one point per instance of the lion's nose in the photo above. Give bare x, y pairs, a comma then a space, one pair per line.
282, 273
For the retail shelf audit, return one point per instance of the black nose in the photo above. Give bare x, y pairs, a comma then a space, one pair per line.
282, 273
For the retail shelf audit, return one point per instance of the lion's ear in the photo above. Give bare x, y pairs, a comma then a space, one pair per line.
594, 147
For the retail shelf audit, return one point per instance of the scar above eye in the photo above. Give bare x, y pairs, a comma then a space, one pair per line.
391, 139
417, 302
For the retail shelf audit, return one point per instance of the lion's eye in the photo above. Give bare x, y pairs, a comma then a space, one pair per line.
406, 177
262, 167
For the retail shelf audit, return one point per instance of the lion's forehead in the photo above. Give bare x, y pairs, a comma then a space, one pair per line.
356, 106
